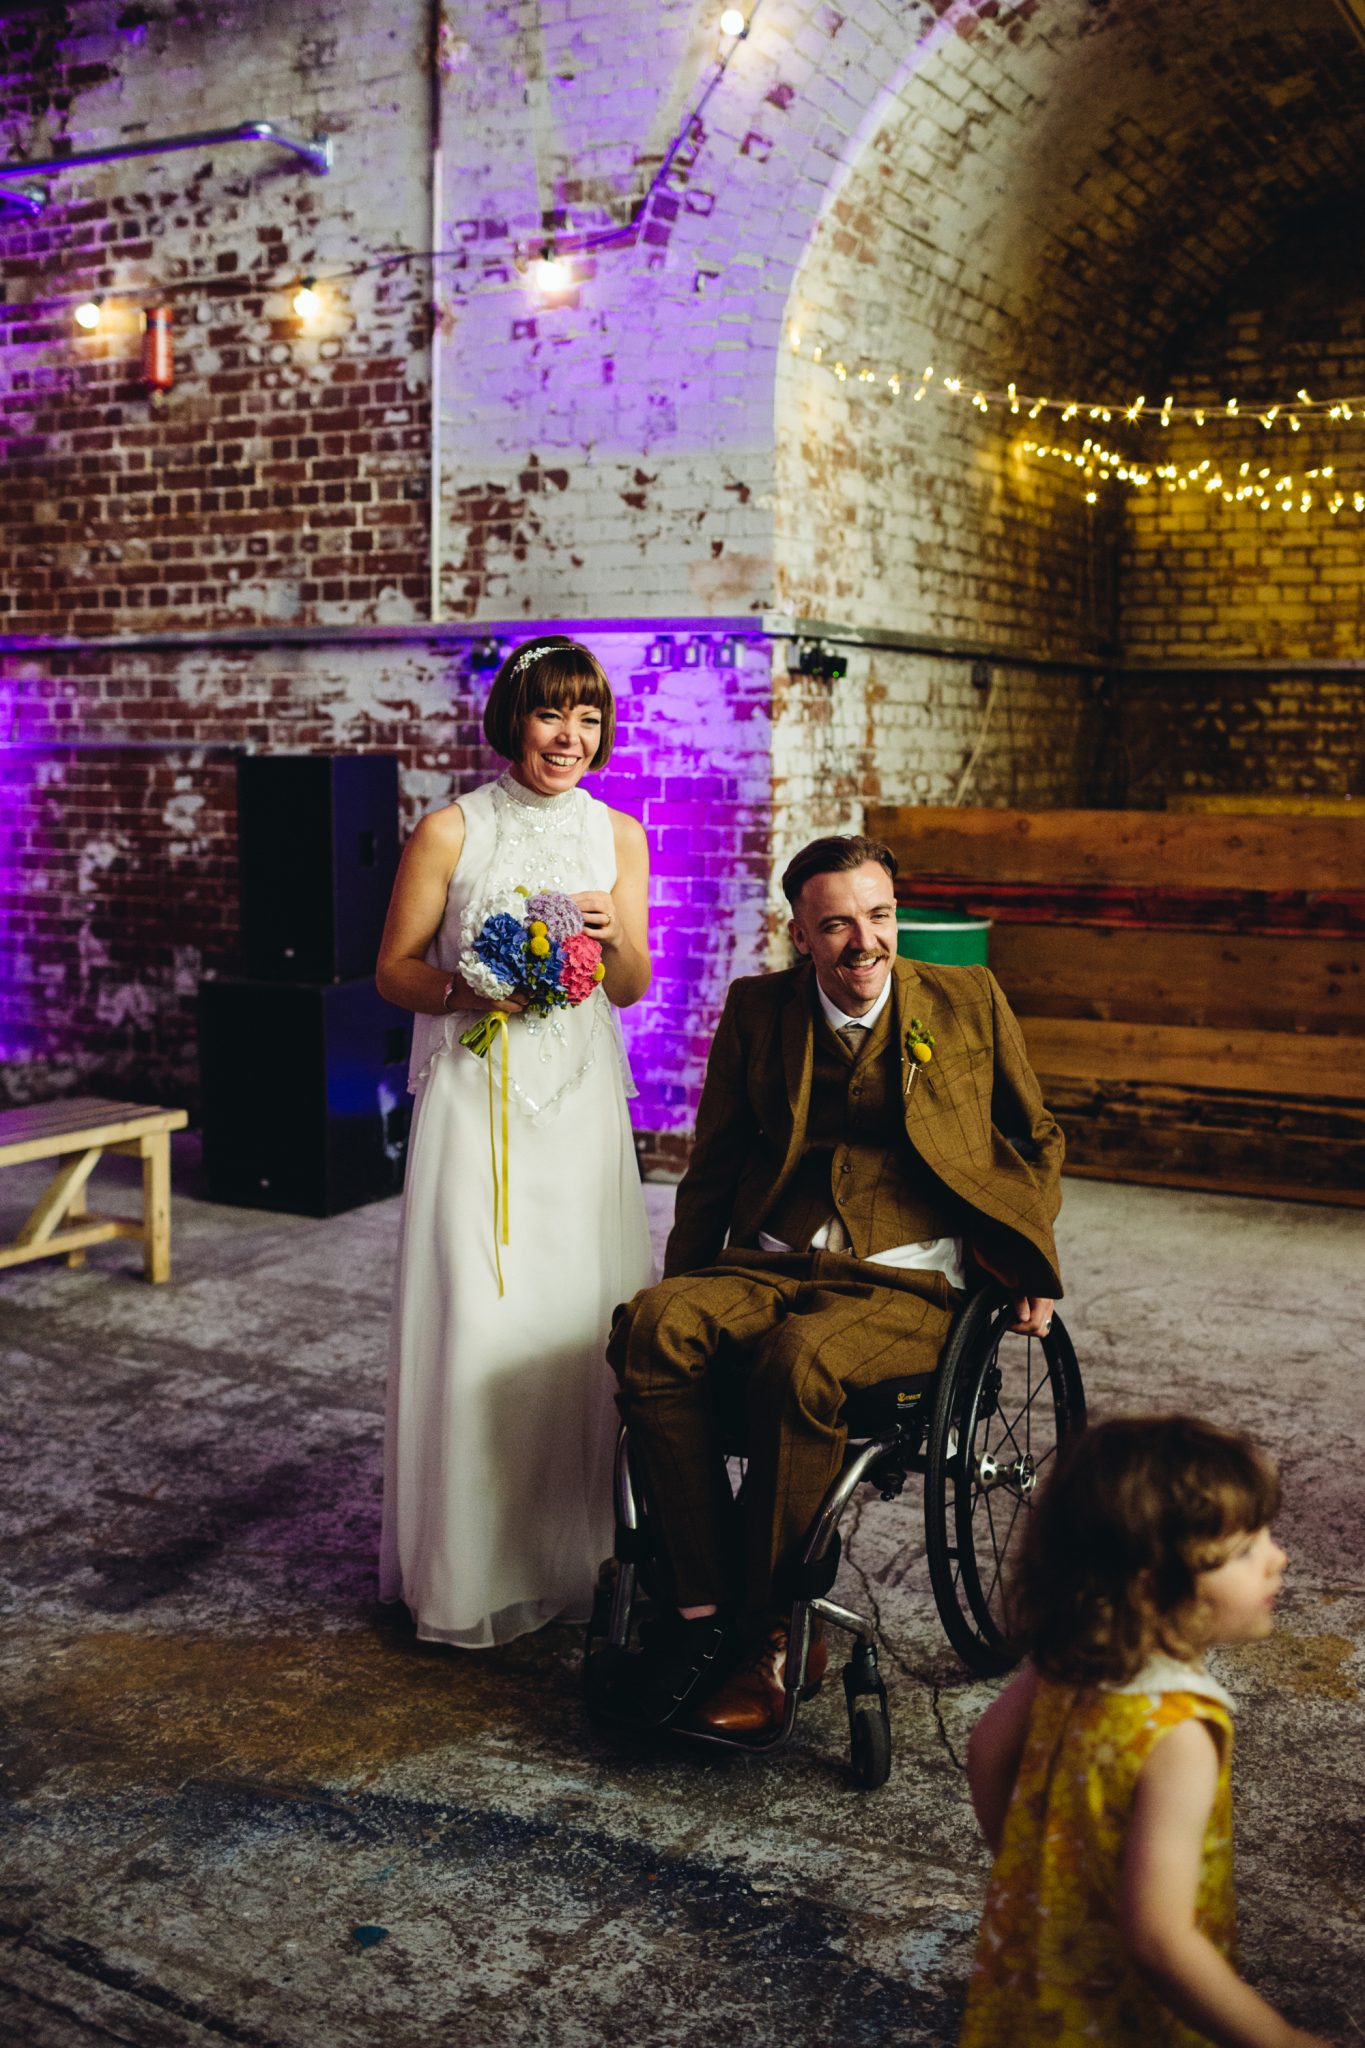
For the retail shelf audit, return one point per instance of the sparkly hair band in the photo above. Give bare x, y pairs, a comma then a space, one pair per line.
525, 658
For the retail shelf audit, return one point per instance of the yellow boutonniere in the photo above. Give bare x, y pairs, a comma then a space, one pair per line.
919, 1050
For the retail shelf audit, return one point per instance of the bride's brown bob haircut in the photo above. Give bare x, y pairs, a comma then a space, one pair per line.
556, 672
1135, 1509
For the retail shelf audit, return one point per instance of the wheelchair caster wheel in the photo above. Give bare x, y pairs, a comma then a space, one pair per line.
869, 1729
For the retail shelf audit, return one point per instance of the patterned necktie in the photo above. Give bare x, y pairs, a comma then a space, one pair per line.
854, 1037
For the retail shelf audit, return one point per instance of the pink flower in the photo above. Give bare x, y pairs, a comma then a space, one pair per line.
581, 957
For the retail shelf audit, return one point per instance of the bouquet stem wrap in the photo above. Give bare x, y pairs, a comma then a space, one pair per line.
537, 948
489, 1027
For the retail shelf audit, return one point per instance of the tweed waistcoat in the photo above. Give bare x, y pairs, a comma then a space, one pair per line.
857, 1161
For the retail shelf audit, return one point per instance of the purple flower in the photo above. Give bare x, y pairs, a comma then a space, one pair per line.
559, 914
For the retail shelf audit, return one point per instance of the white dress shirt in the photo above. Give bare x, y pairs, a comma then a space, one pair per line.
936, 1254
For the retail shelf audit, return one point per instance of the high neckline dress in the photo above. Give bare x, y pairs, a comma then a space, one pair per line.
501, 1421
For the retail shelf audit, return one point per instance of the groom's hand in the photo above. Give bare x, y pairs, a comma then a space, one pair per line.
1034, 1313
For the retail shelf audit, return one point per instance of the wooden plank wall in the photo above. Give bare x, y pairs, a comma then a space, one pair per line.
1192, 987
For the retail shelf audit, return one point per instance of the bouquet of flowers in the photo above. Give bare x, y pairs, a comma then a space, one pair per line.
527, 945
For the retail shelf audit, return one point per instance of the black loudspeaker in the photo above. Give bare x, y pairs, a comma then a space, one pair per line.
305, 1103
318, 851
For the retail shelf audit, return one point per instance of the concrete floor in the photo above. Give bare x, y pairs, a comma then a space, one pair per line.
243, 1805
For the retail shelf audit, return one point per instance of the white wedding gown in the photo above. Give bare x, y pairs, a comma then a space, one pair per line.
501, 1422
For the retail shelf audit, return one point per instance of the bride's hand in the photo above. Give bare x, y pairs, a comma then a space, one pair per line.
599, 915
463, 997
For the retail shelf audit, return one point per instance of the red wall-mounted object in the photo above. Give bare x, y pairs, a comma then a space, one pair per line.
158, 362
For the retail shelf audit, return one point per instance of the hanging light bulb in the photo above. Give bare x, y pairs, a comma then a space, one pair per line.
308, 300
89, 314
551, 276
732, 22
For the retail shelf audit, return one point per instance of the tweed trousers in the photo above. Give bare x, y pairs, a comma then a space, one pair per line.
777, 1337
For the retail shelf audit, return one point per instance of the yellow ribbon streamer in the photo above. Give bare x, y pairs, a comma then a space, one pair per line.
501, 1187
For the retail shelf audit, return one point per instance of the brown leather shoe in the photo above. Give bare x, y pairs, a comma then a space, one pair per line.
753, 1699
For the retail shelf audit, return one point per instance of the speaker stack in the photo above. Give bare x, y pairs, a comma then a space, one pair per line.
304, 1067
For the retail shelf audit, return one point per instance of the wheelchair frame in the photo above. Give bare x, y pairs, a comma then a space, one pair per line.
974, 1442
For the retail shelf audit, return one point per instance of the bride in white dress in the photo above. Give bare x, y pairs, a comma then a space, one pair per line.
501, 1423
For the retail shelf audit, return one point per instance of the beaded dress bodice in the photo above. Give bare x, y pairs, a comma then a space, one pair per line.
515, 838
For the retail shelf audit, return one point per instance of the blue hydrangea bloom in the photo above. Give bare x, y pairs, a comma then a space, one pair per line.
501, 945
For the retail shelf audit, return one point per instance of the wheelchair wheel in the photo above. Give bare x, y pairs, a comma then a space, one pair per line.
1003, 1404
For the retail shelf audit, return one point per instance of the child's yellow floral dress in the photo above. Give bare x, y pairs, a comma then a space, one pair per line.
1050, 1961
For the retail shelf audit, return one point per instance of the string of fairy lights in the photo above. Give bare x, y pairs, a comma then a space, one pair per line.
1237, 480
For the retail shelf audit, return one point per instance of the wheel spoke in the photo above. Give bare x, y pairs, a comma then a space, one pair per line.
1025, 1413
1003, 1551
995, 1549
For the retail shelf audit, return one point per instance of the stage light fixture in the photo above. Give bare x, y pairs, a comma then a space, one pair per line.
815, 659
661, 651
89, 314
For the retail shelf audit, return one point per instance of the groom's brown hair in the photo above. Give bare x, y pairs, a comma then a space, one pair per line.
839, 854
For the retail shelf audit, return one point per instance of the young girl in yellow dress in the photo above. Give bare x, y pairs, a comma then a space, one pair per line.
1100, 1777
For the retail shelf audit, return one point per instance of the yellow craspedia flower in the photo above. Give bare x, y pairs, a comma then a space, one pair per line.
921, 1052
599, 972
536, 928
540, 946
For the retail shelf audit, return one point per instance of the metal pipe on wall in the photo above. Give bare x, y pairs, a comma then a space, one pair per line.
317, 154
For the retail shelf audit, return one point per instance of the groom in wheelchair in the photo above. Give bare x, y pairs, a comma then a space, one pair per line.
871, 1142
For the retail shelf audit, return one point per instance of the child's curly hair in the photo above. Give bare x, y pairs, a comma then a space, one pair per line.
1135, 1508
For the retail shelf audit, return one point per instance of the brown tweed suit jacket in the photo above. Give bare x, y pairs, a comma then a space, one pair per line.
974, 1114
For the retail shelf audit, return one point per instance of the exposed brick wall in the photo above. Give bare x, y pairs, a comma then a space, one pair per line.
117, 881
1206, 580
1050, 197
1261, 734
905, 728
284, 476
118, 885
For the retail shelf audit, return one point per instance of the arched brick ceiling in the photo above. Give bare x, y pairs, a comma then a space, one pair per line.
1094, 176
1059, 199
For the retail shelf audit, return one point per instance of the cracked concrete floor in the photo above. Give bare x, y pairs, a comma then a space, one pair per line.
243, 1805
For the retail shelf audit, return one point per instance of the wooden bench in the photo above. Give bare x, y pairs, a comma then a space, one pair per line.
76, 1133
1191, 985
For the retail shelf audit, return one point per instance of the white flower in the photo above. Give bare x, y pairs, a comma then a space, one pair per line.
481, 977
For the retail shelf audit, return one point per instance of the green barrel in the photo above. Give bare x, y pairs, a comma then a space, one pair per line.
945, 936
